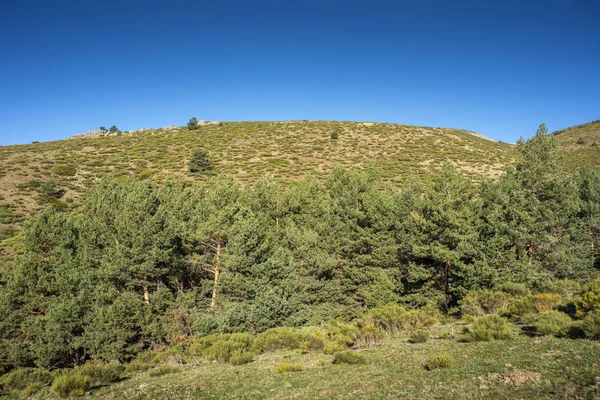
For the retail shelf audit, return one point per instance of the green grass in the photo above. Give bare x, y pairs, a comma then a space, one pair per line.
567, 368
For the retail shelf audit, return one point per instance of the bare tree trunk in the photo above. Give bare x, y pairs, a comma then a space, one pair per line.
146, 295
217, 268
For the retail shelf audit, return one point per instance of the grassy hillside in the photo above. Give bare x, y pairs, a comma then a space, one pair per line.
581, 144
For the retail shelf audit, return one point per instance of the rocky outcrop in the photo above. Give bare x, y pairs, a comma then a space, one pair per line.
92, 134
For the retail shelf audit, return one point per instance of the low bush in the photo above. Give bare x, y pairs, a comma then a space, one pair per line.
484, 302
137, 366
514, 289
394, 319
276, 339
489, 328
549, 323
164, 370
589, 301
241, 358
368, 337
71, 384
535, 303
101, 373
65, 170
419, 336
348, 357
591, 325
286, 367
21, 378
221, 347
439, 361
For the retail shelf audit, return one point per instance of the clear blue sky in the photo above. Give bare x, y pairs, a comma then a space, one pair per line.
495, 67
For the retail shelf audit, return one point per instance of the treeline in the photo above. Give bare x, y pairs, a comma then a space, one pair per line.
138, 266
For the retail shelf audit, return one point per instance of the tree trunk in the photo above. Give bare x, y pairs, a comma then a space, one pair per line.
217, 268
146, 295
530, 252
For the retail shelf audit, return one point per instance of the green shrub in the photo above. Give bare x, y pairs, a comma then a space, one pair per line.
286, 367
591, 325
221, 347
549, 323
535, 304
348, 357
488, 328
393, 319
276, 339
102, 373
172, 355
71, 384
164, 370
514, 289
65, 170
419, 336
20, 378
439, 361
368, 337
241, 358
589, 301
484, 302
334, 135
137, 366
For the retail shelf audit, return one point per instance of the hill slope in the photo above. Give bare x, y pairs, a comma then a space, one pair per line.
580, 144
247, 150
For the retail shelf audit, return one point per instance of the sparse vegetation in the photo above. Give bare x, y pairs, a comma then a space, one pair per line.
348, 357
439, 361
287, 367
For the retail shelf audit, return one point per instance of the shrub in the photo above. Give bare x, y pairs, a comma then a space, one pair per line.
164, 370
439, 361
580, 141
484, 302
488, 328
331, 337
334, 135
102, 373
535, 304
199, 162
368, 337
348, 357
278, 338
241, 358
65, 170
419, 336
514, 289
286, 367
221, 347
137, 366
591, 325
549, 323
71, 384
394, 318
19, 379
590, 299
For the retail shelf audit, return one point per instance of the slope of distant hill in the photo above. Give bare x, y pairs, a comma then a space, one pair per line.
580, 144
287, 150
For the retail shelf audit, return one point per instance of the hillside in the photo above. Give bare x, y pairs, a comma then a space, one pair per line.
580, 144
287, 150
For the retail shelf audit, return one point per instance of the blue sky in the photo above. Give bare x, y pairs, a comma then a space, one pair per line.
495, 67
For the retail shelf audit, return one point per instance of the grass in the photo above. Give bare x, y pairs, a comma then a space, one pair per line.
568, 369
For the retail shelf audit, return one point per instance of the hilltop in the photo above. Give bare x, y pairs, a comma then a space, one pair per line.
580, 144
